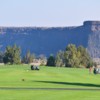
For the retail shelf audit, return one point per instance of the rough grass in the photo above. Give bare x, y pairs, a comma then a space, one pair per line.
47, 77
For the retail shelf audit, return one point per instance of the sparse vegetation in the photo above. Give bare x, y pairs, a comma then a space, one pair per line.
28, 58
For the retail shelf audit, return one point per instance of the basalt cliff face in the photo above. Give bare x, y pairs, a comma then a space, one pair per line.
43, 40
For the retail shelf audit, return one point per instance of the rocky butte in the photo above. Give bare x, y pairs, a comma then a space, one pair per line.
44, 40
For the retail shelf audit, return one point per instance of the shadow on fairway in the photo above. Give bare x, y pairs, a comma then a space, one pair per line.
70, 83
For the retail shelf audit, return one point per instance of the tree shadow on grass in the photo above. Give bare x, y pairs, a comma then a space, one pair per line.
71, 83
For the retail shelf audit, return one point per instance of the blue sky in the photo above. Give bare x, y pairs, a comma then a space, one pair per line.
48, 12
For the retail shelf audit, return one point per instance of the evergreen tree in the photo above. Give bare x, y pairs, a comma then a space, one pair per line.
51, 61
12, 55
1, 57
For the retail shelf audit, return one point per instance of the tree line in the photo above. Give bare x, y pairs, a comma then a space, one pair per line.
72, 57
12, 55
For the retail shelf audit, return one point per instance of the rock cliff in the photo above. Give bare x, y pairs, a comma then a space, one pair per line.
44, 40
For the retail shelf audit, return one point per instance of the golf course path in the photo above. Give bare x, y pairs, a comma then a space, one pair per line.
26, 88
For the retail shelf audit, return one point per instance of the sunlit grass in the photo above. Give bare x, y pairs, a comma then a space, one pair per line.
47, 77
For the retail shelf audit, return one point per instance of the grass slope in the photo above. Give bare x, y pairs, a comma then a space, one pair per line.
47, 77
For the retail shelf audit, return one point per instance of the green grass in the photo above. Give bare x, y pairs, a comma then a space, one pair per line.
49, 95
48, 77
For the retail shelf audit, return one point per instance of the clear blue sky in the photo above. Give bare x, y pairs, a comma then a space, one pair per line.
48, 12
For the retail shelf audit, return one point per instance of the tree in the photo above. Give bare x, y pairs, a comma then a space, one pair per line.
51, 61
70, 56
16, 55
59, 60
77, 57
85, 58
12, 55
1, 57
28, 58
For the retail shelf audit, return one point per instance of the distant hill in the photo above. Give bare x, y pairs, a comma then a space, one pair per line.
44, 40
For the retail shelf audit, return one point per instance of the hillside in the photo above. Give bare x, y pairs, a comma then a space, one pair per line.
44, 40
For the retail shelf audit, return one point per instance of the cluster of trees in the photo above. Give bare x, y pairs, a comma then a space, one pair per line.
12, 55
72, 57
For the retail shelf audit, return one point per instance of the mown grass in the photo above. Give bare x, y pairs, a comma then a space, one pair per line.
48, 95
47, 77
